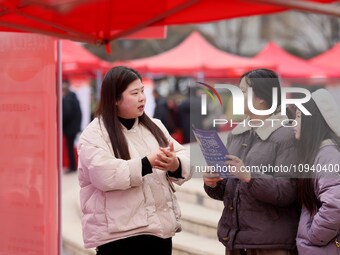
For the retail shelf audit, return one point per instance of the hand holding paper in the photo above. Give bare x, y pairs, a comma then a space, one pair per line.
239, 169
214, 151
211, 179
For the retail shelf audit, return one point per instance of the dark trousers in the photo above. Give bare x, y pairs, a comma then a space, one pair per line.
70, 151
141, 245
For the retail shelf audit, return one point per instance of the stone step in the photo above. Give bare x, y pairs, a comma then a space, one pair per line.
199, 220
193, 192
185, 243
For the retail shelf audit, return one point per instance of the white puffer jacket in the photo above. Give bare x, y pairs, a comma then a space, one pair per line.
116, 201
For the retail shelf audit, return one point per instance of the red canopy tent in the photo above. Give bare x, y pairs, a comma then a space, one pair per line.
99, 21
77, 60
195, 55
329, 59
91, 21
290, 66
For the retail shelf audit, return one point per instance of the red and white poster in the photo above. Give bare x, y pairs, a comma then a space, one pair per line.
29, 178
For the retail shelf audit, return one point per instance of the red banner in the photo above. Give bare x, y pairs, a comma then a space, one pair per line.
29, 178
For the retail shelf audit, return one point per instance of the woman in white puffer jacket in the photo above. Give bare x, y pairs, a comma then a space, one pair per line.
127, 163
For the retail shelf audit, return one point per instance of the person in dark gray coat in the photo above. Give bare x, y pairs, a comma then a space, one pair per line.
71, 122
319, 187
260, 213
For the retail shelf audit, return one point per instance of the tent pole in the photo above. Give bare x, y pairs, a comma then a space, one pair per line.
59, 135
23, 28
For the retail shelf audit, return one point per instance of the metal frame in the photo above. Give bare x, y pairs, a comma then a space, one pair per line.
154, 20
302, 5
79, 36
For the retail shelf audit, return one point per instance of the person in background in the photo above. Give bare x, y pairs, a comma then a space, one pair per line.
162, 112
127, 166
184, 117
260, 215
190, 114
71, 113
319, 187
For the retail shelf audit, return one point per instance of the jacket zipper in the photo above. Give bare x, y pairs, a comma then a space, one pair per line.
337, 243
247, 147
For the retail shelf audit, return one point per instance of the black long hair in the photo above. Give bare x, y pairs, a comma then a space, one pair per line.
314, 130
115, 82
263, 81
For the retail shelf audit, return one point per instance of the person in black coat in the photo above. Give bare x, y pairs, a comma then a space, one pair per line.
162, 112
71, 122
190, 114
